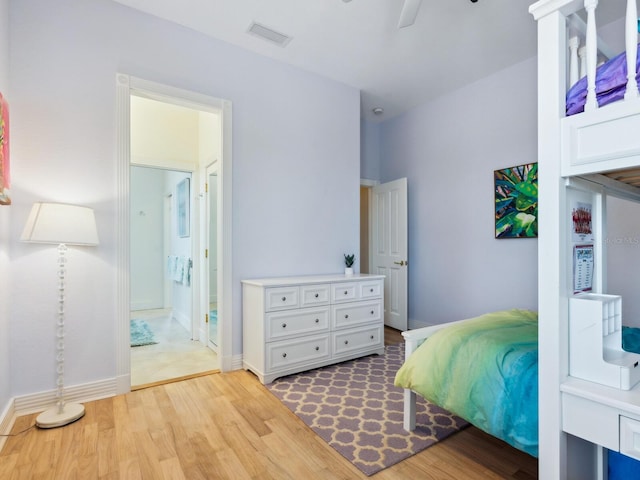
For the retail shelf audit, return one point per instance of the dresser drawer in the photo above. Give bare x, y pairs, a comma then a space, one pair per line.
348, 341
591, 421
630, 437
371, 289
282, 298
311, 295
288, 353
357, 313
350, 291
345, 292
291, 323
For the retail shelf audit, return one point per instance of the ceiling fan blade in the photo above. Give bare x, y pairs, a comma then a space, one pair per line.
409, 13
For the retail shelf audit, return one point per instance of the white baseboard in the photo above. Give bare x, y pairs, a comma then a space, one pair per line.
145, 305
182, 319
123, 384
230, 363
37, 402
7, 419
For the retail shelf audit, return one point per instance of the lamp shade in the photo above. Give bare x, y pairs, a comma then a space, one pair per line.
60, 223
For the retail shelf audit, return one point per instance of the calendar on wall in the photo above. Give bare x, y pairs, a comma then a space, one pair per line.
583, 261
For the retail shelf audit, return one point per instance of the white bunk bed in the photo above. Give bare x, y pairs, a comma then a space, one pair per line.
583, 157
587, 156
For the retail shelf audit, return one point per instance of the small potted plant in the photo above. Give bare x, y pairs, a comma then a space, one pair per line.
348, 262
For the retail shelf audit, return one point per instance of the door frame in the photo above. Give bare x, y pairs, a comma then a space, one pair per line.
205, 215
125, 86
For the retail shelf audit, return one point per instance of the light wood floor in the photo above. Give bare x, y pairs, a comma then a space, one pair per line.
225, 426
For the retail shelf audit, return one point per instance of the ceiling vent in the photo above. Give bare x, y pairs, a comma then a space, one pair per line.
269, 34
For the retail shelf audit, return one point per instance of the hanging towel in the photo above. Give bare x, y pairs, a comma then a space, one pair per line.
179, 269
186, 265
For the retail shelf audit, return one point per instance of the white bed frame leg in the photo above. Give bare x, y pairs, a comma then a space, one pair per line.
601, 462
413, 339
409, 420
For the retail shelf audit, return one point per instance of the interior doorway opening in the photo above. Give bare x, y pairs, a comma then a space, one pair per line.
170, 143
128, 88
365, 222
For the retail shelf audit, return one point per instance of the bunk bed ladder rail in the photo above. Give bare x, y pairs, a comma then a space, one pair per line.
587, 56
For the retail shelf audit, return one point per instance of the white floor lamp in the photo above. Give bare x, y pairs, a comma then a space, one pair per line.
63, 225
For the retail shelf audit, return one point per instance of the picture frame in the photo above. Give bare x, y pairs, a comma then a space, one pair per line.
516, 201
183, 207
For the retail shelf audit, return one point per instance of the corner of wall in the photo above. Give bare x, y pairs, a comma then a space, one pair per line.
7, 419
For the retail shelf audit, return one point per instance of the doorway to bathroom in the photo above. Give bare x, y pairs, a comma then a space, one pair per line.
160, 154
171, 338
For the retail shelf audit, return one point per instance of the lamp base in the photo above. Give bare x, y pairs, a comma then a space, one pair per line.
51, 418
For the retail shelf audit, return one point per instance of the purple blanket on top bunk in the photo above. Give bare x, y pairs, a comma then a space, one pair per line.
611, 83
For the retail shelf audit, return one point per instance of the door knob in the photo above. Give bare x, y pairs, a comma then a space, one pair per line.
401, 263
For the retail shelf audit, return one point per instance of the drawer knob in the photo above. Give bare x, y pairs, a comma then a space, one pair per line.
371, 337
346, 316
372, 312
284, 299
284, 355
371, 290
346, 342
317, 348
346, 292
317, 295
317, 320
284, 325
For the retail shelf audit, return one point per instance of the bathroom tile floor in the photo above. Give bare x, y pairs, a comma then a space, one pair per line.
175, 356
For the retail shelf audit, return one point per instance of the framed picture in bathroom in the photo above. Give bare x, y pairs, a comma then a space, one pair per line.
182, 207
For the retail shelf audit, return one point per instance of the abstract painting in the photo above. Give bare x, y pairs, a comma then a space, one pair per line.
516, 199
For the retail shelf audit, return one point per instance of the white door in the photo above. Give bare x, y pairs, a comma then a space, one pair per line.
389, 248
212, 256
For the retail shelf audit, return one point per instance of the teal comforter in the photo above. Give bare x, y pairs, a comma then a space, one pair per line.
485, 371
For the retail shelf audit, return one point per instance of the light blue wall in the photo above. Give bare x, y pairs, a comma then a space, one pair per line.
370, 150
448, 150
147, 262
5, 273
296, 165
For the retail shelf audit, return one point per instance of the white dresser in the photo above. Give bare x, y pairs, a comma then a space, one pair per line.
298, 323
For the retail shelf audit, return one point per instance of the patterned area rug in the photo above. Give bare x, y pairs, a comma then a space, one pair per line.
141, 334
355, 407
